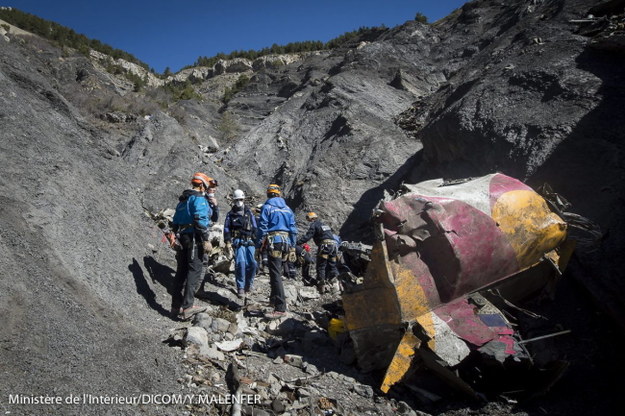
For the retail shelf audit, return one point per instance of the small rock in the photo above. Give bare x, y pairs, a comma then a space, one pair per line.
310, 369
363, 390
348, 379
303, 392
333, 375
214, 337
294, 360
308, 292
277, 406
405, 410
202, 316
233, 329
212, 353
215, 377
229, 345
220, 325
196, 335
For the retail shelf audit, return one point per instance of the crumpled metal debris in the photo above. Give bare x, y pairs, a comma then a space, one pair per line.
443, 249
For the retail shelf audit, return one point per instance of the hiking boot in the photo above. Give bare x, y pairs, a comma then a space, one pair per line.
240, 292
275, 315
250, 289
191, 311
175, 313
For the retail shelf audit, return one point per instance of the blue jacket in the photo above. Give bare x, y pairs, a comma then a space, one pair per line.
277, 216
192, 214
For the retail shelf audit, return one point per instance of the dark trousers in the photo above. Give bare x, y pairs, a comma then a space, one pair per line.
276, 297
326, 261
188, 272
290, 270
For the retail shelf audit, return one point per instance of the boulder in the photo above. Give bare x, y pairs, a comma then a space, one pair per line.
196, 335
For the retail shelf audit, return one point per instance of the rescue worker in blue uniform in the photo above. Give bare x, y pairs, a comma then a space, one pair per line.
240, 235
190, 223
327, 248
277, 232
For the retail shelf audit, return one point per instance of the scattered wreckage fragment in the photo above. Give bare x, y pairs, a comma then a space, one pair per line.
448, 259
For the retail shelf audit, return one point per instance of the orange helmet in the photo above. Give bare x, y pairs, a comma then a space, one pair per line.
273, 189
311, 216
201, 179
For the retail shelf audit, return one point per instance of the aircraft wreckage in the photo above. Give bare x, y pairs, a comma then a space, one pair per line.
448, 259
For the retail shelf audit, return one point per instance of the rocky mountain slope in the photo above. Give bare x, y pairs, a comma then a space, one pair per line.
530, 88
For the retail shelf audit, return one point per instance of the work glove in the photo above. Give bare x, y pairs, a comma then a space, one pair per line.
292, 255
173, 241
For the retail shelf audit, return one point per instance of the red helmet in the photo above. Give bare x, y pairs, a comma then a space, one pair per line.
306, 247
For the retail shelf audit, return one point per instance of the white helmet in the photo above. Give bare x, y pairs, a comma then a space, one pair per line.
238, 194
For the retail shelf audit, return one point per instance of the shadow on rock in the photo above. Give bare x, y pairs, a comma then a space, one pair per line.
357, 225
143, 288
312, 350
160, 273
218, 297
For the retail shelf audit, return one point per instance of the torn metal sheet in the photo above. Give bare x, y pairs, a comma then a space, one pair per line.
441, 244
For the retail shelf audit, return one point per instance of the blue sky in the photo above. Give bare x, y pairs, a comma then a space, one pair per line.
175, 33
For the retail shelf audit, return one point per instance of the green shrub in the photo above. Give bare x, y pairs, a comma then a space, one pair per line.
228, 126
421, 18
61, 35
238, 86
181, 91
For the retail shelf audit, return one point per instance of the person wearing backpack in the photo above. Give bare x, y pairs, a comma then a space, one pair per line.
239, 233
190, 225
327, 248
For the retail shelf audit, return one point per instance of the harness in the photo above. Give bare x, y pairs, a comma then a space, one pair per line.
284, 236
328, 249
244, 225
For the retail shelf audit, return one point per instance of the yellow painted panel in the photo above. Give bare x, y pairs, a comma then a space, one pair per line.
411, 296
532, 229
401, 361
